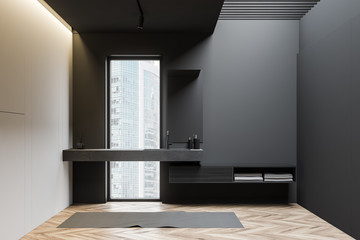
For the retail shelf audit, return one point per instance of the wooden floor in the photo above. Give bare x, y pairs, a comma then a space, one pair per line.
263, 222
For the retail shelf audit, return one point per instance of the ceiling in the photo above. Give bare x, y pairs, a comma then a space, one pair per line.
265, 9
123, 15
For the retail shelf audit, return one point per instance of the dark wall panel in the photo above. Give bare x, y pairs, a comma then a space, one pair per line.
185, 106
247, 82
325, 17
89, 182
90, 53
355, 182
250, 93
88, 95
247, 87
328, 120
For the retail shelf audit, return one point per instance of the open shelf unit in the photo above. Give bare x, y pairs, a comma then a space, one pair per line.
218, 174
263, 171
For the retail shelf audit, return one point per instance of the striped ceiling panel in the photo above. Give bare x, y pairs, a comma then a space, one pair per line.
265, 9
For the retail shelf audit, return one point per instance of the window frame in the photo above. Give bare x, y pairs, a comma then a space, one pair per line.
107, 118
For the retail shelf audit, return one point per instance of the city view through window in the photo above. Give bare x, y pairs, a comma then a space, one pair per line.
134, 124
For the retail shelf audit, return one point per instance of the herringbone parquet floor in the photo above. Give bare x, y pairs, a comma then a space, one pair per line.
261, 222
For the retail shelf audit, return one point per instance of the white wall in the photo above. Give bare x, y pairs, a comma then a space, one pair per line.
35, 80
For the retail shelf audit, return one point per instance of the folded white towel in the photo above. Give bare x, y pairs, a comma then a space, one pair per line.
248, 178
278, 175
247, 174
278, 180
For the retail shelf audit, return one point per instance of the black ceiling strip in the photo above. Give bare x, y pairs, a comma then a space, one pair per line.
262, 9
141, 17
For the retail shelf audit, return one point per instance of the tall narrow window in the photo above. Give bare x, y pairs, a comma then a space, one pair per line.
134, 123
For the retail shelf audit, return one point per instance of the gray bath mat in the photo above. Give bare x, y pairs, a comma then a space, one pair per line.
152, 220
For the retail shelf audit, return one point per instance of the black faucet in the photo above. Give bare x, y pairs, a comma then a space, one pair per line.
168, 143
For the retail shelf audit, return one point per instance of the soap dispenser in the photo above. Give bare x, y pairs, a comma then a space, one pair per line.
190, 143
196, 142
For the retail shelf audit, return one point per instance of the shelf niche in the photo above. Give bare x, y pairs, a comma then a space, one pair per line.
184, 104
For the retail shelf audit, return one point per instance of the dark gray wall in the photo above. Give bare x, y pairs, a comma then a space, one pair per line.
184, 106
248, 76
324, 18
328, 122
249, 94
248, 80
90, 52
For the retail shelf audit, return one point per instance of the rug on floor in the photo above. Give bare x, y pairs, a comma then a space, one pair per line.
152, 220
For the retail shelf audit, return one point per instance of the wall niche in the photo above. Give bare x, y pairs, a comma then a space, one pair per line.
184, 105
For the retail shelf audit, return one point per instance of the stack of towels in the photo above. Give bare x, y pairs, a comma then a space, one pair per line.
278, 177
257, 177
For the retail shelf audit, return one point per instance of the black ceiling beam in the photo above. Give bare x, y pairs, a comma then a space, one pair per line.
259, 9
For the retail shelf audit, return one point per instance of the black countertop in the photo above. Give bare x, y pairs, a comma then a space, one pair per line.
161, 155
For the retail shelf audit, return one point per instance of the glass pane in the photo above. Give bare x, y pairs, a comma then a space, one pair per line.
134, 124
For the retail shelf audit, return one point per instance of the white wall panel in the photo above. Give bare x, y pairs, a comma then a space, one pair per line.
12, 65
37, 53
48, 103
12, 180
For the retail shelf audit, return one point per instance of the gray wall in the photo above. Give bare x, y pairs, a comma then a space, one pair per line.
90, 52
249, 93
184, 107
248, 76
248, 80
329, 117
324, 18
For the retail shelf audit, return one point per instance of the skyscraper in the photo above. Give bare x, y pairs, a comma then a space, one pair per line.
134, 124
